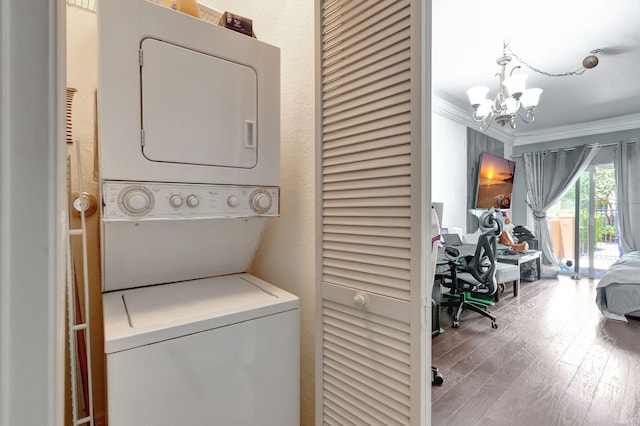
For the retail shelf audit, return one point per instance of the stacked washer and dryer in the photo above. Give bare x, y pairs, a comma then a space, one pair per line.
189, 127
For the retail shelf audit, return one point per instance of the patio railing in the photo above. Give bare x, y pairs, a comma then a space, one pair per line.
605, 234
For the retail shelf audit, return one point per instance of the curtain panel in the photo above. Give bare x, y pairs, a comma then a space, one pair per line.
626, 162
548, 174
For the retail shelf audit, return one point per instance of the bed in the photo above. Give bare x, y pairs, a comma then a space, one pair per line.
618, 292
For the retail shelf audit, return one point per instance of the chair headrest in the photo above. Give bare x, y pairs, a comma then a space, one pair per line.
492, 220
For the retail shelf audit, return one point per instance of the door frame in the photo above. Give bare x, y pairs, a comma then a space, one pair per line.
33, 211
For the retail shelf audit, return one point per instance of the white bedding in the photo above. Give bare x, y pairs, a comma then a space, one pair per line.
618, 292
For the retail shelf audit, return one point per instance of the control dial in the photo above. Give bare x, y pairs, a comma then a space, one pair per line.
175, 200
136, 200
192, 201
260, 201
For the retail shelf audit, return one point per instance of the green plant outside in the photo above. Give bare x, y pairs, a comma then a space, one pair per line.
604, 220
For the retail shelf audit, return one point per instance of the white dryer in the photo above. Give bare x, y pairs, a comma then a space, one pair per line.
183, 100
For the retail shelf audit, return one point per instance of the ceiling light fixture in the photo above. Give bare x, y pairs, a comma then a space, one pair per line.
511, 101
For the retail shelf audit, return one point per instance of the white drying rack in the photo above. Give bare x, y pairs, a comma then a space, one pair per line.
74, 327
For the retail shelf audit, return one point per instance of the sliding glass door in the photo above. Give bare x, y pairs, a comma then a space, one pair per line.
597, 243
583, 224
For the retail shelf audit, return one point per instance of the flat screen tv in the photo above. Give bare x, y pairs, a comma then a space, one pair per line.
495, 182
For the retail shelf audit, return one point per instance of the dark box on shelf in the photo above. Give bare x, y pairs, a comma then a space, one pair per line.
237, 23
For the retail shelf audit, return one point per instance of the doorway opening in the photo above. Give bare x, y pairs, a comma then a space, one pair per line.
583, 224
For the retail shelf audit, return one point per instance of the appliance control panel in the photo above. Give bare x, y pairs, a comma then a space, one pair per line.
145, 200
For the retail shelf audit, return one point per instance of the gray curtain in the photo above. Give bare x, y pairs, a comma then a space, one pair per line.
548, 175
627, 168
477, 142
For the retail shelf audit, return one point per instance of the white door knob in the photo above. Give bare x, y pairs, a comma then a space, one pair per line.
361, 300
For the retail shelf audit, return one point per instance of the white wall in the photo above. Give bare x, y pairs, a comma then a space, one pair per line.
448, 158
286, 256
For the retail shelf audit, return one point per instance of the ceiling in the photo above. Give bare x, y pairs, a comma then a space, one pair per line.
553, 36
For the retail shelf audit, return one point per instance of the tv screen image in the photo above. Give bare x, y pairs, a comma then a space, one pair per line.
495, 182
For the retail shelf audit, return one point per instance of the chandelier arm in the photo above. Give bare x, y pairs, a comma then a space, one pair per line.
484, 122
529, 118
478, 119
498, 102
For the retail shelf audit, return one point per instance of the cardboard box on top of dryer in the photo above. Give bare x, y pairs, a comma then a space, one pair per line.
237, 23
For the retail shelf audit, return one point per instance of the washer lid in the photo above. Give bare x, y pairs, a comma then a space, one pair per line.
148, 315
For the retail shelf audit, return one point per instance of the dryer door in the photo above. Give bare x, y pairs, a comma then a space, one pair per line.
197, 108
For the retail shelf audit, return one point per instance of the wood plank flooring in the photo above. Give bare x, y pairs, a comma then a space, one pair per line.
554, 360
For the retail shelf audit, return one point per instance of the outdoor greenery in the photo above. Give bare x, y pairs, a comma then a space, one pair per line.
605, 188
604, 215
605, 228
605, 199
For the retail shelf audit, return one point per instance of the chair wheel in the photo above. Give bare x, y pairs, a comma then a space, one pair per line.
438, 379
455, 324
494, 325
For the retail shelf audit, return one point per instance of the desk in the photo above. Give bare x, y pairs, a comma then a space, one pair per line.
522, 258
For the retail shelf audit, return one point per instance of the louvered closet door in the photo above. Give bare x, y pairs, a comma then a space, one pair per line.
371, 356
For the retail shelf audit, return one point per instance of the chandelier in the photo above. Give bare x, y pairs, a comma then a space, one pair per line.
511, 101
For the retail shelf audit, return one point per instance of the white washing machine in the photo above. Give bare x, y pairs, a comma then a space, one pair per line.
189, 338
218, 351
188, 119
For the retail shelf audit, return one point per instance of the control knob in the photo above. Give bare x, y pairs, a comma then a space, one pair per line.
260, 201
192, 201
175, 200
136, 200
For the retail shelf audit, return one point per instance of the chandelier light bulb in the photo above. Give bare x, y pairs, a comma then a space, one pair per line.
477, 95
515, 85
484, 109
531, 97
511, 106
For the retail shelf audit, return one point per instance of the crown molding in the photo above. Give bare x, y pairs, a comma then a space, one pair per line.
452, 112
616, 124
627, 122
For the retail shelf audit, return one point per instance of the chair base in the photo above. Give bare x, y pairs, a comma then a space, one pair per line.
436, 377
461, 303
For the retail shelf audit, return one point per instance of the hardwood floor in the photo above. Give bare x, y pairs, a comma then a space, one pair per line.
554, 360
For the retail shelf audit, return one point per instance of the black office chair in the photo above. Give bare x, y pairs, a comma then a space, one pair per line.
476, 274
